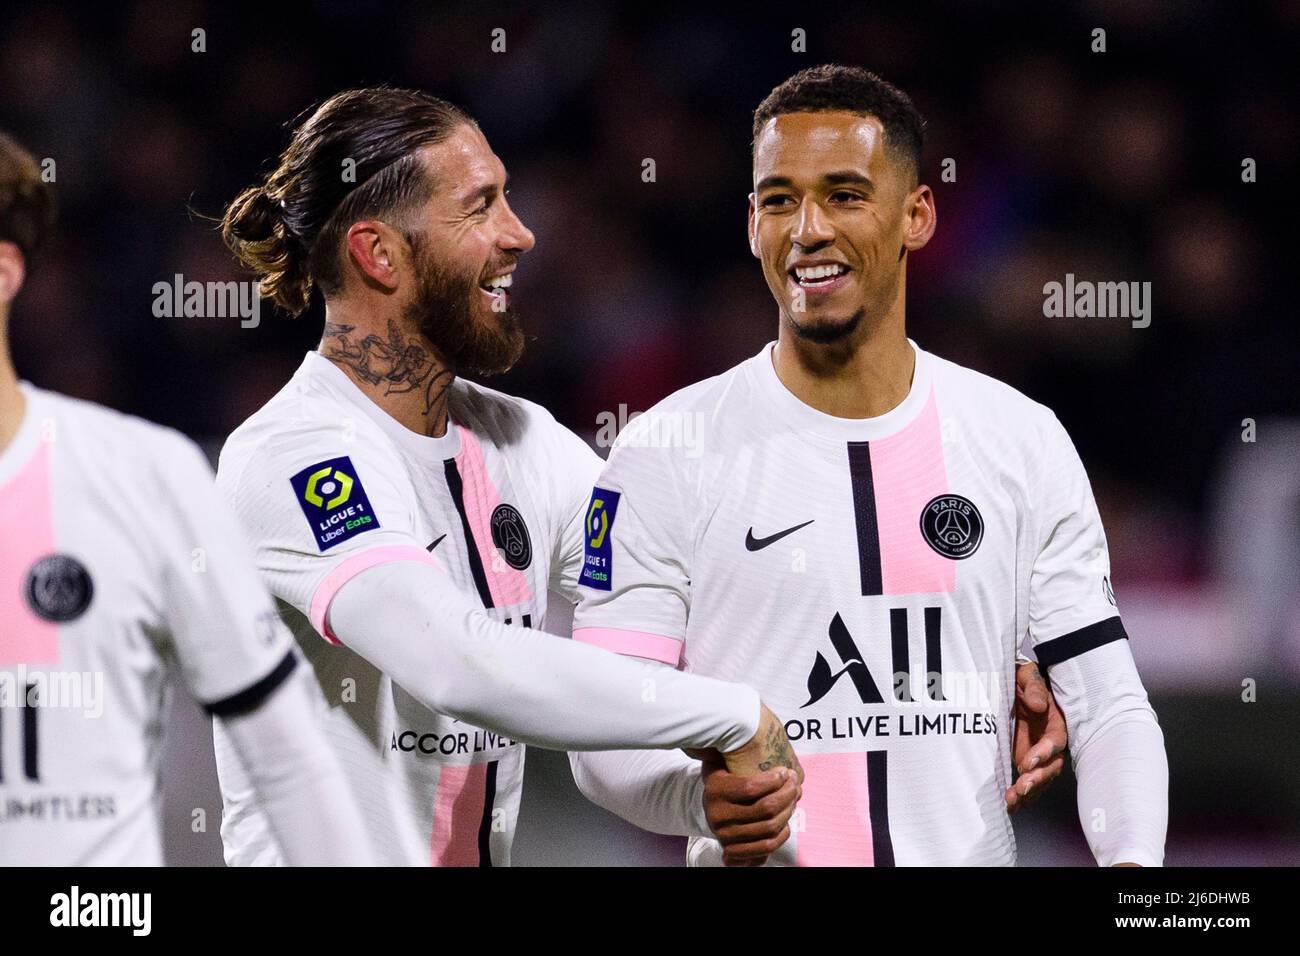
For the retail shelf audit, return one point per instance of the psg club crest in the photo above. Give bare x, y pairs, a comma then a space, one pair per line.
510, 535
58, 588
952, 526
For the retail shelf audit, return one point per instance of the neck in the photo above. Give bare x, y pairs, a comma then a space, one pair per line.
12, 402
395, 366
864, 376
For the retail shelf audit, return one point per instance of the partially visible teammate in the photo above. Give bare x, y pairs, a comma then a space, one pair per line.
411, 522
118, 561
866, 533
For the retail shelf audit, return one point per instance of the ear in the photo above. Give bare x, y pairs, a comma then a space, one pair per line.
753, 228
921, 218
377, 250
13, 271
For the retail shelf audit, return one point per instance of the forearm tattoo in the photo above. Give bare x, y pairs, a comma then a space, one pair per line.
776, 750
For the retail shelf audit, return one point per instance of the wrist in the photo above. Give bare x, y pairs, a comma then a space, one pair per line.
746, 709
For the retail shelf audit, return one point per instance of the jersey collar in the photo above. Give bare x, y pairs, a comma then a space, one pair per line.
805, 418
21, 446
320, 369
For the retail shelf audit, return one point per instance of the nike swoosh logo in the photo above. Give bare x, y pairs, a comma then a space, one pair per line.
758, 544
430, 547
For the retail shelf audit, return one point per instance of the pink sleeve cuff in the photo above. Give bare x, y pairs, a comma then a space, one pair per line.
655, 647
348, 569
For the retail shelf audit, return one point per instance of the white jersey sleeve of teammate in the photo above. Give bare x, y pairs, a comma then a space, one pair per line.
226, 636
1080, 642
637, 536
237, 659
320, 504
576, 469
638, 533
321, 518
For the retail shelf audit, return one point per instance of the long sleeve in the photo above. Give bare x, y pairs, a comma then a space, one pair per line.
1081, 644
657, 790
1118, 752
296, 781
411, 622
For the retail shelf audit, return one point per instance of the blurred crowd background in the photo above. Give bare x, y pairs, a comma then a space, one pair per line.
1117, 166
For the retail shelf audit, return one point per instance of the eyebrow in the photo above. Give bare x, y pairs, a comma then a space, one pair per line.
483, 192
837, 178
848, 177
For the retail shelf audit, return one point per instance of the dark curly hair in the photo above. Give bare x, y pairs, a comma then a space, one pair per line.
851, 89
27, 207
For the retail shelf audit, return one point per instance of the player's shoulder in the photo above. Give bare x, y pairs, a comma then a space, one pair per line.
305, 421
515, 425
109, 438
507, 418
692, 413
996, 404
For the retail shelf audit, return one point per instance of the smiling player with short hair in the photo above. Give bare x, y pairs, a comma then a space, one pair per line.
866, 533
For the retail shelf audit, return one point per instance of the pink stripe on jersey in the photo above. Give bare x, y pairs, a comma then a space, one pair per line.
836, 812
507, 585
348, 569
458, 814
907, 471
27, 516
655, 647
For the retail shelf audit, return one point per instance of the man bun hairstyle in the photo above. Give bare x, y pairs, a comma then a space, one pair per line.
288, 229
27, 206
850, 89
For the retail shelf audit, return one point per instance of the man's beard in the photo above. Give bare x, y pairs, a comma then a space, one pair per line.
828, 333
443, 311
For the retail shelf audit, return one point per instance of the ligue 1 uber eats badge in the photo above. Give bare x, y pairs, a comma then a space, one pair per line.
334, 502
597, 558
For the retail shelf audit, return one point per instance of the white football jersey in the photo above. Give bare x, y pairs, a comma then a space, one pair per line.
327, 485
118, 560
872, 579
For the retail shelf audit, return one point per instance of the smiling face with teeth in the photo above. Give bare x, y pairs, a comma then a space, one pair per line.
466, 244
832, 215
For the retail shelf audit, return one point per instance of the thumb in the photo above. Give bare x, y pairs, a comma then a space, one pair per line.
1033, 694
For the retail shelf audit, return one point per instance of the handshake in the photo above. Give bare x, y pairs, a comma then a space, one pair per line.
750, 794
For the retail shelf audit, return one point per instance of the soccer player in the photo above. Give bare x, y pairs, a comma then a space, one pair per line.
118, 563
865, 532
409, 521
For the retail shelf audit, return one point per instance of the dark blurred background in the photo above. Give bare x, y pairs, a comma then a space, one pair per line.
1117, 166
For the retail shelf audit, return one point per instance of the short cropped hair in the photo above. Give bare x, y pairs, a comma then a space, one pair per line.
850, 89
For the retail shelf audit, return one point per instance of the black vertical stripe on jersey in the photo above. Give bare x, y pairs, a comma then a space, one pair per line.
898, 641
882, 847
864, 512
485, 825
457, 488
29, 735
933, 654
